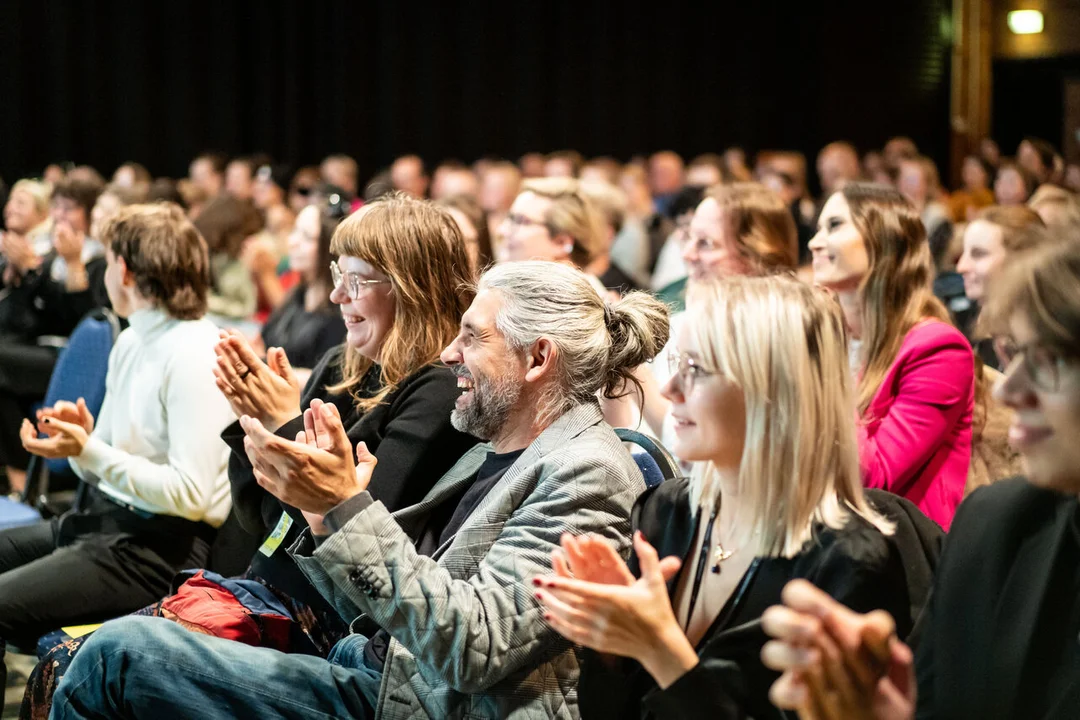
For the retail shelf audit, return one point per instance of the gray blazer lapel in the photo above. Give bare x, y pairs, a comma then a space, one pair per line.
463, 472
569, 425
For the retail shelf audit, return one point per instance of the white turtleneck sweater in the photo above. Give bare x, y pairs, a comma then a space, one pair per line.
156, 443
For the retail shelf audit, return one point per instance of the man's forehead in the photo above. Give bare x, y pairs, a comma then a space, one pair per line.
481, 314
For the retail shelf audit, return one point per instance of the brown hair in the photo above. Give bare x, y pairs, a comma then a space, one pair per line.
166, 255
896, 293
84, 192
1021, 227
226, 223
420, 248
761, 224
470, 208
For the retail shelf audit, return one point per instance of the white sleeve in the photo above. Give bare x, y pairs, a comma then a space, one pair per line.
195, 414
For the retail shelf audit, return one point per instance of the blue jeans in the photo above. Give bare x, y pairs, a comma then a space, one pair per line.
146, 667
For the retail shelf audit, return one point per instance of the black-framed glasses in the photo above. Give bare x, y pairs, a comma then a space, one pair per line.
1042, 364
687, 369
354, 284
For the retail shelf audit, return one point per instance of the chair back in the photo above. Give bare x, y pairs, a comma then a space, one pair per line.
652, 458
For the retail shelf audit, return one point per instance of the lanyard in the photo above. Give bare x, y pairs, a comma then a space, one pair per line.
703, 560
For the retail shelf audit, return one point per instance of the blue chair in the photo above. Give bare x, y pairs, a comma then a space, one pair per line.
652, 458
80, 372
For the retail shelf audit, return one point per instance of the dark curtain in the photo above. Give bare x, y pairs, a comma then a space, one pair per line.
1029, 100
103, 82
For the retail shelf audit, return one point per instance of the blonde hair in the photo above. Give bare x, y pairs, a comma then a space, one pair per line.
420, 248
1063, 207
39, 191
572, 213
783, 343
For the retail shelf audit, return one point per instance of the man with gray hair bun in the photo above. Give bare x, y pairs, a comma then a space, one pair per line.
439, 594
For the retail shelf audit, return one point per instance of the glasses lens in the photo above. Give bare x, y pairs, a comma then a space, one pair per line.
1042, 366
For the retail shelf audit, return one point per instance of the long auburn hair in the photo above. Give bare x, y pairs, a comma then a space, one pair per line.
897, 291
783, 343
420, 248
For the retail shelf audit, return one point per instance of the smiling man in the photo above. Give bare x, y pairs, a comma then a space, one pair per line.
439, 595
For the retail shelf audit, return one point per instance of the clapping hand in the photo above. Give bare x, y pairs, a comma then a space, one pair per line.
269, 392
68, 243
837, 664
67, 427
614, 613
315, 472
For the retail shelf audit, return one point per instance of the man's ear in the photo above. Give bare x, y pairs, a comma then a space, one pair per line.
540, 360
127, 278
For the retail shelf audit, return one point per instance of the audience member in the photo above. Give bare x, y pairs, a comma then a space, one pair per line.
976, 194
990, 152
915, 389
409, 176
610, 205
666, 178
207, 172
1059, 209
134, 177
303, 182
26, 214
472, 221
454, 178
669, 271
341, 171
1037, 157
54, 173
531, 165
226, 223
601, 169
450, 625
706, 170
734, 165
112, 198
760, 391
837, 165
563, 164
165, 189
41, 303
240, 178
998, 638
898, 149
918, 182
499, 186
266, 253
153, 457
1013, 184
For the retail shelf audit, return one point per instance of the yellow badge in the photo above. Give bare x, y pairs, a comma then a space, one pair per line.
274, 540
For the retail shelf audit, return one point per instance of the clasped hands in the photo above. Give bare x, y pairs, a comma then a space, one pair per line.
67, 427
268, 391
592, 599
837, 664
316, 471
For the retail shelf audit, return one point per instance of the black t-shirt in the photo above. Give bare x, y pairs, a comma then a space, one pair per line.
442, 525
1053, 663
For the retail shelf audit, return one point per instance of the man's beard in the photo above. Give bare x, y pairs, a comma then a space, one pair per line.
489, 408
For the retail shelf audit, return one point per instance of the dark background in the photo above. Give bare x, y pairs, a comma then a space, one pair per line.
101, 82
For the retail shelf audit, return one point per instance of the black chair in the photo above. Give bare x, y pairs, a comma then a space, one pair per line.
652, 458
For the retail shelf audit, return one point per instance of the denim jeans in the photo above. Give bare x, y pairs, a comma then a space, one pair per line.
145, 667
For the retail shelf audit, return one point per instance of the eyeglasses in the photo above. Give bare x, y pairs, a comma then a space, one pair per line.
519, 220
353, 284
1040, 363
700, 243
687, 370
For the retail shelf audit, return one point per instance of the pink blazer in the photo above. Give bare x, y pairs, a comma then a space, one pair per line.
915, 437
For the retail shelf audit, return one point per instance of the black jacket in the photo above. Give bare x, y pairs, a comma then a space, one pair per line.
984, 611
857, 565
38, 305
304, 336
410, 432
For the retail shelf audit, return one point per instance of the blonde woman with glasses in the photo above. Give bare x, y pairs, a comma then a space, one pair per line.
760, 394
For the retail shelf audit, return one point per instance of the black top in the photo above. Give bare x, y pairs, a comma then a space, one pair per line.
615, 279
410, 433
304, 336
38, 305
857, 565
1002, 632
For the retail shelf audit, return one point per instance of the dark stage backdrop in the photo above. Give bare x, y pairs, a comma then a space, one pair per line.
101, 83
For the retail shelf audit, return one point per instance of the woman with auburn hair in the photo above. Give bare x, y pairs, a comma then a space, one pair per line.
737, 229
402, 282
999, 636
915, 392
760, 391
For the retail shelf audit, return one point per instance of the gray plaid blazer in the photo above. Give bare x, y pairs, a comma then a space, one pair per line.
470, 641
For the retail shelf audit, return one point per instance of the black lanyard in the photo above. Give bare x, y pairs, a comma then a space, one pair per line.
703, 560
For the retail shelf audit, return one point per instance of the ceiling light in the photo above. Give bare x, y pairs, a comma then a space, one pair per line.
1025, 22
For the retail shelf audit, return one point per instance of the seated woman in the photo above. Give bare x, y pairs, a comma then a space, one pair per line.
399, 284
154, 458
760, 394
306, 325
226, 223
999, 635
915, 393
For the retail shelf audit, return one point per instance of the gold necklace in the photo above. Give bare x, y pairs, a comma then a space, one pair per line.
719, 556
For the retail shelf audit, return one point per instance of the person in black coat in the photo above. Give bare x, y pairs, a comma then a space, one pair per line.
1001, 634
762, 405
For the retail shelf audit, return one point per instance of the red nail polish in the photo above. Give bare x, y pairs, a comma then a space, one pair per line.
536, 582
537, 596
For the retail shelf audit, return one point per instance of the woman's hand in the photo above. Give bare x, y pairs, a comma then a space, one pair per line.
314, 475
269, 392
70, 412
837, 664
634, 620
591, 559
